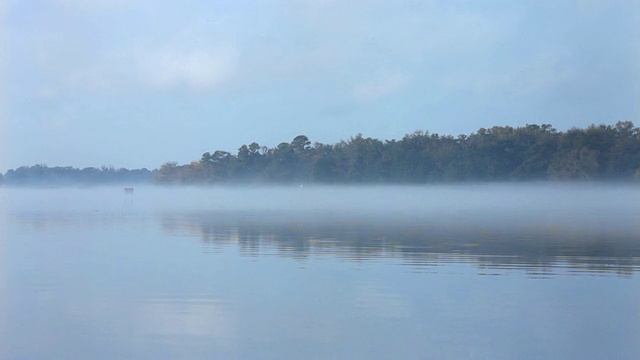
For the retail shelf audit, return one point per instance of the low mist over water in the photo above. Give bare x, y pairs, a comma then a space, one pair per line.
570, 200
543, 270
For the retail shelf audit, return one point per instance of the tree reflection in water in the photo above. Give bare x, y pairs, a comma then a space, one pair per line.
539, 249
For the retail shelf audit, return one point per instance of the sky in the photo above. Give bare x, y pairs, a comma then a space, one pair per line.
138, 83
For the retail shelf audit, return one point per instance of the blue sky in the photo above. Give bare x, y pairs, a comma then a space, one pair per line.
138, 83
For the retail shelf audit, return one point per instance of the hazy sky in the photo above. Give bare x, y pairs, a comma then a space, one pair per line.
138, 83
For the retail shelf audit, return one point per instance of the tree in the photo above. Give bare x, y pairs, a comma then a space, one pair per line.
497, 153
577, 164
168, 173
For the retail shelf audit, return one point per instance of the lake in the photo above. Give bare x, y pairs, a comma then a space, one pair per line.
487, 271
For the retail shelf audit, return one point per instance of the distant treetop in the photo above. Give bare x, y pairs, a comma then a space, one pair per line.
499, 153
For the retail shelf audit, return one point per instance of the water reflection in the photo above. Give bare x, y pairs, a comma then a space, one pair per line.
540, 249
383, 279
198, 317
379, 302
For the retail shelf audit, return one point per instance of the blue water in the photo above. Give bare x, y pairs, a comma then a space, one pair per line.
436, 272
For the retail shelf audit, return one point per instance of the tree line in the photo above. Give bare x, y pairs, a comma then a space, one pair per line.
42, 174
500, 153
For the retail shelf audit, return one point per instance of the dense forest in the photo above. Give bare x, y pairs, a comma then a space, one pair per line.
501, 153
43, 175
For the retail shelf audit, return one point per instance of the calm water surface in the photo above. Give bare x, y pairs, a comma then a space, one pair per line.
436, 272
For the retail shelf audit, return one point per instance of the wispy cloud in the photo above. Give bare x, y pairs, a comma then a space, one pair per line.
380, 87
198, 69
94, 6
539, 74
